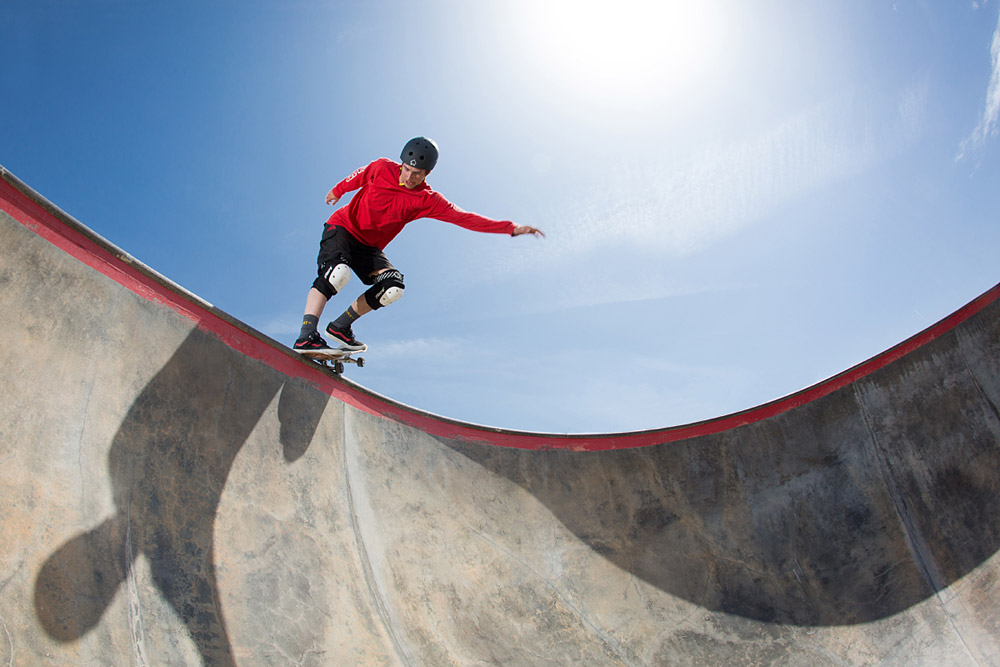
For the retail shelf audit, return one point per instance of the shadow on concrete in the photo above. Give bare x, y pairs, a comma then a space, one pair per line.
168, 463
846, 510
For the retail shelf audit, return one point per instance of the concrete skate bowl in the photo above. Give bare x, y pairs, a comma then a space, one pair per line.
177, 488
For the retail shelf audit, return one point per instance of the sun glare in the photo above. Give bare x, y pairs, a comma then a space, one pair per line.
626, 51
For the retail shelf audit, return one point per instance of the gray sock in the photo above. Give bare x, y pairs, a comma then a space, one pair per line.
348, 316
309, 323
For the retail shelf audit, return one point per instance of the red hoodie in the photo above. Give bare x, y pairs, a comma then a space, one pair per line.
383, 207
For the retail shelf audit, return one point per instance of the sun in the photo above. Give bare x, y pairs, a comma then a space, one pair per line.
626, 51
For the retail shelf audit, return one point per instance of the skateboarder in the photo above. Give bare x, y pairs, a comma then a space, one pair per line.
390, 195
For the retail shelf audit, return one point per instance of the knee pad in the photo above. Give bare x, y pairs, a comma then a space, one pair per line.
332, 279
388, 288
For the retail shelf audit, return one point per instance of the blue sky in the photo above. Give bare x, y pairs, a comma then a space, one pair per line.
741, 198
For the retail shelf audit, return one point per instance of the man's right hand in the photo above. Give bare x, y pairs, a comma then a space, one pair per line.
331, 198
520, 230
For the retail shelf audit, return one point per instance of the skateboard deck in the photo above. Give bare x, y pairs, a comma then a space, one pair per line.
335, 358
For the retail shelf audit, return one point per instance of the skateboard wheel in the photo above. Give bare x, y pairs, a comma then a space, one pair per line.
338, 367
361, 362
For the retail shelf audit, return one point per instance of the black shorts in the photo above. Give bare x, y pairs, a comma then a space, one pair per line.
338, 246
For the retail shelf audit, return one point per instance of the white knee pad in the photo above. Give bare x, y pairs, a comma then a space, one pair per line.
388, 288
391, 295
338, 276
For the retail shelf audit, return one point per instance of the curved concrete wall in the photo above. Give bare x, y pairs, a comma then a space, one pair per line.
177, 488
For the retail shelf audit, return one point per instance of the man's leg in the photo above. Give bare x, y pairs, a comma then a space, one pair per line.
387, 287
315, 303
354, 311
334, 271
330, 281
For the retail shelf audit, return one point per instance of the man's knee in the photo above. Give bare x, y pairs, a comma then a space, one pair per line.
388, 289
332, 279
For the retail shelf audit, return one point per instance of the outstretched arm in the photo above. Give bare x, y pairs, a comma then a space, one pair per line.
525, 229
444, 210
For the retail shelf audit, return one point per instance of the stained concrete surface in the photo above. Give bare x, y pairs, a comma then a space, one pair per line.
178, 489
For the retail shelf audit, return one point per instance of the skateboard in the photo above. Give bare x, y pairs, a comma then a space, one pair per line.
335, 358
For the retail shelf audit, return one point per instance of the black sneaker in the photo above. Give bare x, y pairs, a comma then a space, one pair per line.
346, 336
311, 343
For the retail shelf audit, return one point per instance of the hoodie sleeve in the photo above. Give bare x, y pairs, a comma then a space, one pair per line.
352, 182
443, 210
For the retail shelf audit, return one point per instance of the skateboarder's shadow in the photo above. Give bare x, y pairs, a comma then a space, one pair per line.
169, 462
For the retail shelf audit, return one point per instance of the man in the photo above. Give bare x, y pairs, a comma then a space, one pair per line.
390, 195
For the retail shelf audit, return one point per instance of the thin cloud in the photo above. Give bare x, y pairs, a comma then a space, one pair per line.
681, 209
282, 327
987, 126
439, 348
721, 192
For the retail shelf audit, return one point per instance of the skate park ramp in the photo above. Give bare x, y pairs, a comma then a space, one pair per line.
179, 489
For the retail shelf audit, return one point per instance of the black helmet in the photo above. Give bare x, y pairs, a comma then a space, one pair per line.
420, 153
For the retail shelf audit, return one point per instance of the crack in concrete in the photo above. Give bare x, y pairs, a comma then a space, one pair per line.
919, 548
135, 626
10, 640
